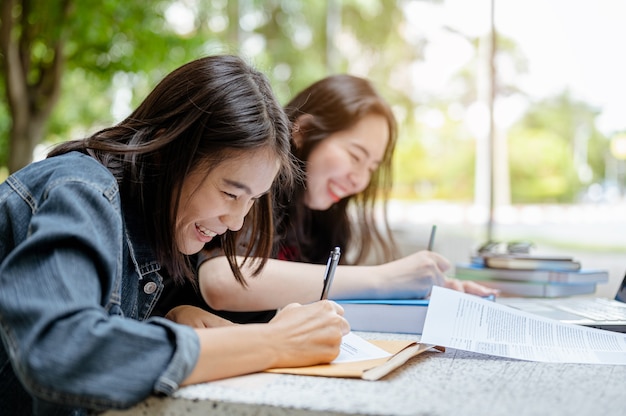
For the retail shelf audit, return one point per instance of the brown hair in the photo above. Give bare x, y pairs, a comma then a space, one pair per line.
199, 115
333, 104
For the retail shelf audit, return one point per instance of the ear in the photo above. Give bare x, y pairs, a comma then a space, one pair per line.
299, 127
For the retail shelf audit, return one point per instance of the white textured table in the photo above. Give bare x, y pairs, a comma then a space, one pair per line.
451, 383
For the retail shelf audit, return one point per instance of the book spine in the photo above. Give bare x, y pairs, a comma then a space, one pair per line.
546, 276
527, 264
546, 290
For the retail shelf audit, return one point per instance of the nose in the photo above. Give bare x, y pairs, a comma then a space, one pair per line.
359, 179
233, 221
234, 218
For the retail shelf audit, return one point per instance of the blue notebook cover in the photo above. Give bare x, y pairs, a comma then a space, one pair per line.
386, 315
413, 302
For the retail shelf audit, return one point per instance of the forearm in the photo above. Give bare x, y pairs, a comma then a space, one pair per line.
297, 336
282, 282
230, 351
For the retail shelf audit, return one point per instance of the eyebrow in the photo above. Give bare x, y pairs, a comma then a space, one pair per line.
238, 185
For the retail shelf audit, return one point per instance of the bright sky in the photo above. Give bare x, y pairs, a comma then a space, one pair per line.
579, 43
569, 43
573, 44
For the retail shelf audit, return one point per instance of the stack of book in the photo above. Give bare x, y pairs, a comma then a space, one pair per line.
532, 275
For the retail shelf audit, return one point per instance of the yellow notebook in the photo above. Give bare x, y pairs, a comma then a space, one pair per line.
375, 369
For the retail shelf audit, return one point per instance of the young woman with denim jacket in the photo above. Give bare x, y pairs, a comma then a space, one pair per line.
344, 135
89, 235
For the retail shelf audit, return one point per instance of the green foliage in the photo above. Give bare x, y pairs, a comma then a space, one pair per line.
434, 163
293, 35
541, 167
555, 138
85, 104
5, 125
285, 39
99, 41
407, 167
456, 172
127, 36
115, 46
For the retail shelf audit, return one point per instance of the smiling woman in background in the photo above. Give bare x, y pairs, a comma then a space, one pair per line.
343, 135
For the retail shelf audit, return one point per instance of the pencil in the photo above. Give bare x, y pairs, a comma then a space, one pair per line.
431, 241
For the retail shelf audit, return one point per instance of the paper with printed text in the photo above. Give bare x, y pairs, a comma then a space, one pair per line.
458, 320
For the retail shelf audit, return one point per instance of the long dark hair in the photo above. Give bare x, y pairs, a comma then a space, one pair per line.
199, 115
333, 104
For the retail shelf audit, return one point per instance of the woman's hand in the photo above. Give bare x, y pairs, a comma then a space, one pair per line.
416, 274
469, 286
412, 276
196, 317
308, 334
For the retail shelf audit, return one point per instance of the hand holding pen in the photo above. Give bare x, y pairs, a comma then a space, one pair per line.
463, 286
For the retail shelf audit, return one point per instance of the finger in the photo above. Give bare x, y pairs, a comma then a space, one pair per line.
337, 307
478, 289
443, 280
442, 263
454, 284
345, 326
290, 306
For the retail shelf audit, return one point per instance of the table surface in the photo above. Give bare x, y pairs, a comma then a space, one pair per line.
451, 383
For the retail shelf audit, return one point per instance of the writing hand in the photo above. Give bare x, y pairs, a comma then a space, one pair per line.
309, 334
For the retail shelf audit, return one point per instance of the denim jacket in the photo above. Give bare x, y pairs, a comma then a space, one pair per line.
77, 284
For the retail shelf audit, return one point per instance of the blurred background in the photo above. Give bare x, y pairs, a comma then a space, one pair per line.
512, 116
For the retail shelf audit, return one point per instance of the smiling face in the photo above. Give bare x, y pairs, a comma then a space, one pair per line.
342, 164
214, 203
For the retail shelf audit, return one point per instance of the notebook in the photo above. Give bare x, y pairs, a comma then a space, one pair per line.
600, 313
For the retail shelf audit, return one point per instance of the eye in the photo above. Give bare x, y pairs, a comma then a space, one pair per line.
230, 196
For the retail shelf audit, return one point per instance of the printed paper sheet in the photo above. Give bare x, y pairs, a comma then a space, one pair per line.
470, 323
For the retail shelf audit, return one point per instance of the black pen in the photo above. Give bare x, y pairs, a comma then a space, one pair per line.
329, 274
431, 242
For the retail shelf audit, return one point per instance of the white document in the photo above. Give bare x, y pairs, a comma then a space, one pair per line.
355, 348
470, 323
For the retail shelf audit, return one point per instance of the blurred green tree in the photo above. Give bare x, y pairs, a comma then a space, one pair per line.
69, 67
43, 43
555, 151
541, 167
65, 64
